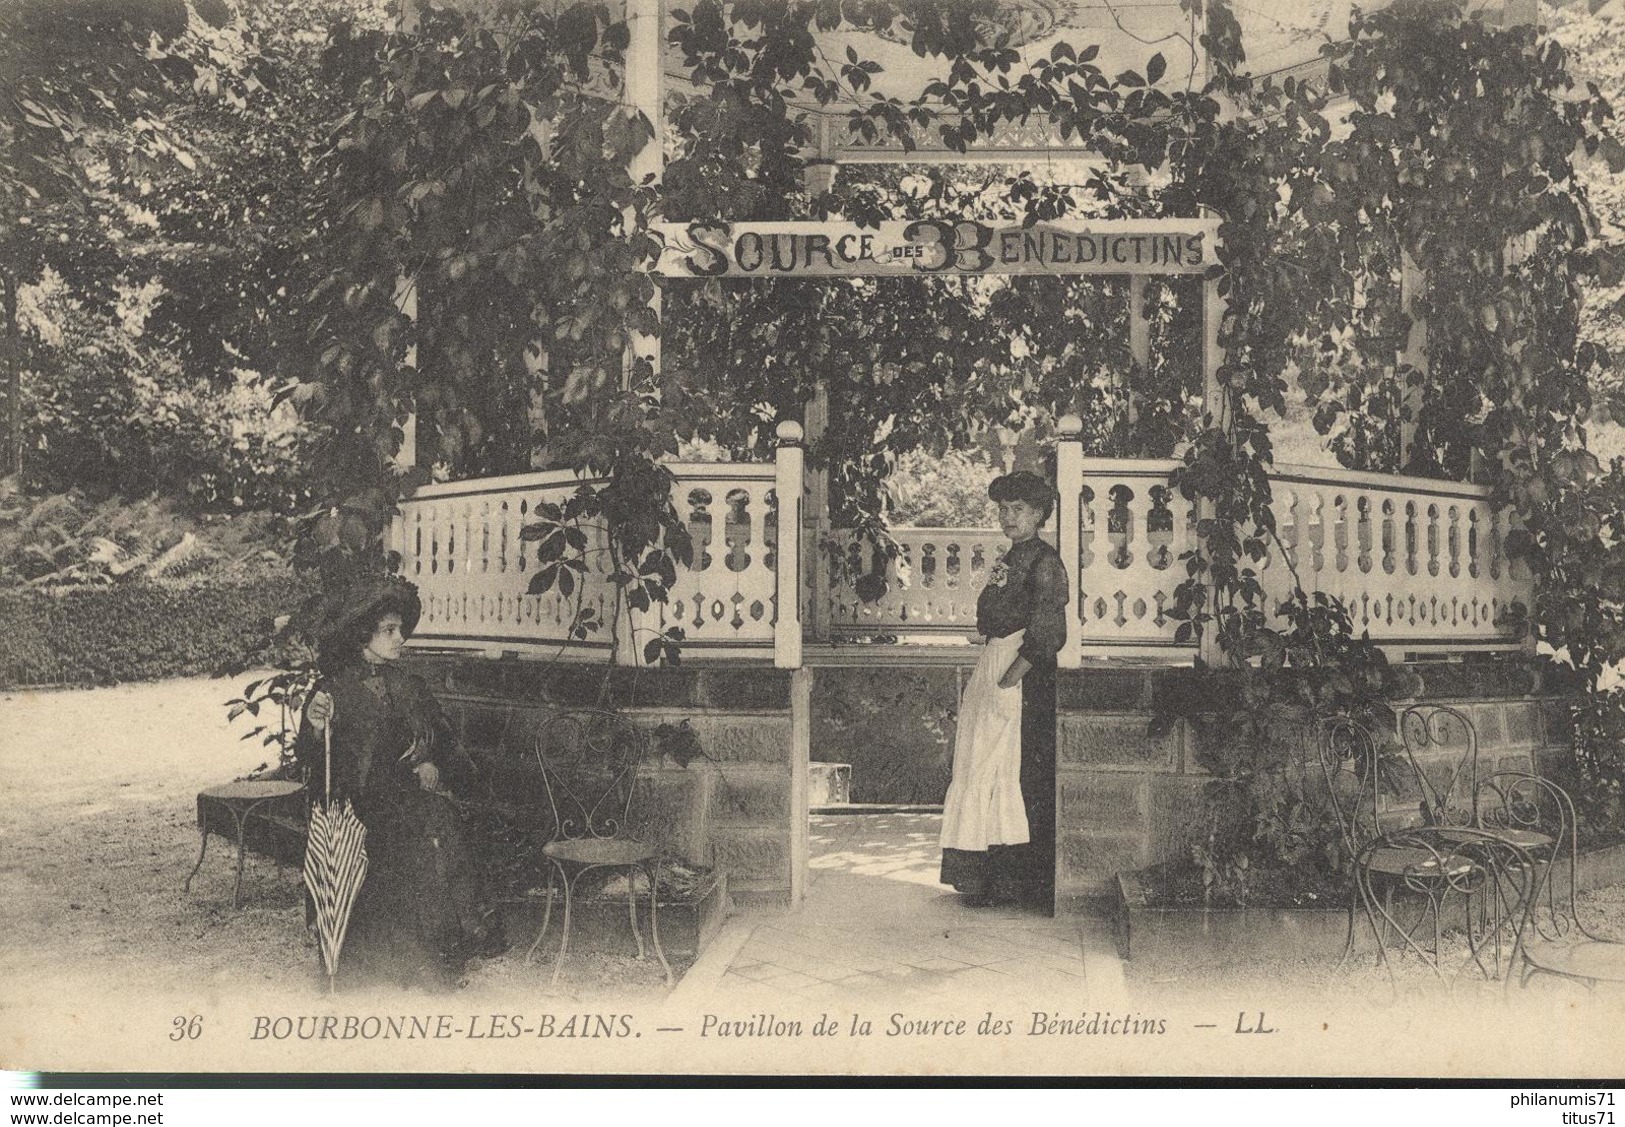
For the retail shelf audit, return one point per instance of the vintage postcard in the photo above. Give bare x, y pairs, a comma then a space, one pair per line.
988, 537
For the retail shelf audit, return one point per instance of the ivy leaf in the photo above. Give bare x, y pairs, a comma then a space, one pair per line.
1155, 68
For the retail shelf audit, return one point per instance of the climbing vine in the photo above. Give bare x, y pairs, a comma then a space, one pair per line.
476, 166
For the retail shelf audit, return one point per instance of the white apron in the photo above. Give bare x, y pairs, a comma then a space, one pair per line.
984, 805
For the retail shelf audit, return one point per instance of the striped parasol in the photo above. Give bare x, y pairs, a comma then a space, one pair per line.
335, 865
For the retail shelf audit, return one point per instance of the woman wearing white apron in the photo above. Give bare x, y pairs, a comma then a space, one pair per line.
998, 824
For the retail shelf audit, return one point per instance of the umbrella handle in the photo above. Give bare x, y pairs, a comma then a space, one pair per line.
327, 748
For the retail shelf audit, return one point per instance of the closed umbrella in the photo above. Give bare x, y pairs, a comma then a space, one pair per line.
335, 865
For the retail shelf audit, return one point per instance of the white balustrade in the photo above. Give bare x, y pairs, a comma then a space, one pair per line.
931, 584
727, 601
1420, 564
460, 543
1132, 529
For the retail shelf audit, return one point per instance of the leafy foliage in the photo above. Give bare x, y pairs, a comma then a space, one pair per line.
1265, 805
141, 631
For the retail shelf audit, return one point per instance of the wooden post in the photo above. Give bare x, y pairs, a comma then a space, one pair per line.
644, 88
1069, 532
1413, 282
815, 521
645, 91
801, 683
406, 300
789, 465
1139, 339
1215, 397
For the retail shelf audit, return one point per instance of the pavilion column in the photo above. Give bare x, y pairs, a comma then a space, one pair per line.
818, 170
1139, 342
406, 455
1216, 399
1412, 284
815, 522
644, 87
1069, 532
406, 300
789, 472
645, 94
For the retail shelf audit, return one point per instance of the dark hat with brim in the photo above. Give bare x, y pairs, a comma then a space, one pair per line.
1023, 485
370, 602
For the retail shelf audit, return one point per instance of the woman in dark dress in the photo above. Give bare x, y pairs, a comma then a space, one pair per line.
418, 915
998, 833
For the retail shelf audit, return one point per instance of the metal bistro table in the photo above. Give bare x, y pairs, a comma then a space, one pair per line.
242, 799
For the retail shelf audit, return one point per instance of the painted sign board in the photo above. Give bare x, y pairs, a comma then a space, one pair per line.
716, 249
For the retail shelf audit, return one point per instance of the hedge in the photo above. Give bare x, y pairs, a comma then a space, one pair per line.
140, 631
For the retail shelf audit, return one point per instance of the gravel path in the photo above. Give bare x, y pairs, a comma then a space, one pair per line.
99, 788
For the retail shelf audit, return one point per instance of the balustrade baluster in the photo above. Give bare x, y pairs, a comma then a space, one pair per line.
1433, 539
1453, 541
1086, 527
434, 540
1159, 530
1317, 537
485, 537
1362, 507
736, 530
521, 562
1389, 561
1340, 532
1291, 530
1411, 539
770, 532
1120, 527
700, 526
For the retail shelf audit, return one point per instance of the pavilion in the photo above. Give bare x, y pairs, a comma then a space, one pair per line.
1420, 562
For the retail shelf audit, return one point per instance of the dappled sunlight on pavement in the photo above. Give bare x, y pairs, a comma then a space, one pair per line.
900, 847
878, 928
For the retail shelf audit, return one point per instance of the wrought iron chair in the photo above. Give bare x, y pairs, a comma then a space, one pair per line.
589, 761
1463, 842
1555, 941
1461, 803
1397, 857
1520, 809
1381, 864
1492, 880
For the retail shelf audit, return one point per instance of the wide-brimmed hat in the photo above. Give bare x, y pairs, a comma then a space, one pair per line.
1023, 485
370, 602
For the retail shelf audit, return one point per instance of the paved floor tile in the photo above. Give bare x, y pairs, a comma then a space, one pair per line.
939, 964
877, 928
759, 972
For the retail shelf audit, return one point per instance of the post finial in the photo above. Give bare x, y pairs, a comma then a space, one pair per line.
1070, 428
789, 432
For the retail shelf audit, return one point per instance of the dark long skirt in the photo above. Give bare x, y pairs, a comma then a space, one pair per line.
1021, 873
419, 912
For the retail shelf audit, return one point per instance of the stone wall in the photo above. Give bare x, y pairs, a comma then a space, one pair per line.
1127, 800
731, 810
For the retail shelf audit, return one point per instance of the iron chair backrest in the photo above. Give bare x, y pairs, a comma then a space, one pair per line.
1350, 763
1424, 728
1520, 801
589, 760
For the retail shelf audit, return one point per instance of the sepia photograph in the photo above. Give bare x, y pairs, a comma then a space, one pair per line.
826, 538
